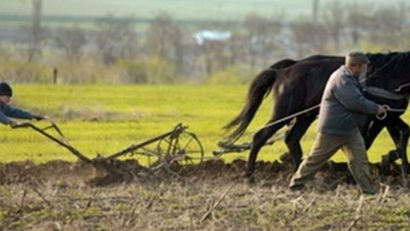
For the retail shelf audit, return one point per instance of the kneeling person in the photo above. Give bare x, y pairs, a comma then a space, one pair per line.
7, 111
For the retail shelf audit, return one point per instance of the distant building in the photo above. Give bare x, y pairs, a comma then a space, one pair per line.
207, 35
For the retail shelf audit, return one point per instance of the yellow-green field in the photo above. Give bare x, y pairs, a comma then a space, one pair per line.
106, 118
60, 195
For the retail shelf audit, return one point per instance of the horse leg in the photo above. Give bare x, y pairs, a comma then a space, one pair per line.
294, 136
400, 133
259, 139
370, 133
392, 155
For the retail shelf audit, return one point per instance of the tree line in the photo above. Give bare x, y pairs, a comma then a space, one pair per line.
113, 49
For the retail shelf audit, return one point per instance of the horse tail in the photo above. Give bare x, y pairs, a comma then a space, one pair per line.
258, 90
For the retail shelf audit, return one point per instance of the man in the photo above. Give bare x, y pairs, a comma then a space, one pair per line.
343, 111
7, 111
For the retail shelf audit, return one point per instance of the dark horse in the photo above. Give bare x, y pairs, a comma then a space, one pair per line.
298, 85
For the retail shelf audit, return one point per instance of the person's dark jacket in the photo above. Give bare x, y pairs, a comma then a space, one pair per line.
9, 111
343, 107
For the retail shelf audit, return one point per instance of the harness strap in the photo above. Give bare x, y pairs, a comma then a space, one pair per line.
380, 92
401, 86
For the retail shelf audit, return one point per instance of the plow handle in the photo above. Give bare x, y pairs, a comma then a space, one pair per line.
61, 140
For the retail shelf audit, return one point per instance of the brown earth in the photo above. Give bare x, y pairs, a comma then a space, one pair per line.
126, 171
213, 195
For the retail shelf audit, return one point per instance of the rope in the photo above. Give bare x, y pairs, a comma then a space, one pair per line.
381, 116
290, 116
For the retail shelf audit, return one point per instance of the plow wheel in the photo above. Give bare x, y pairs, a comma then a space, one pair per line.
181, 147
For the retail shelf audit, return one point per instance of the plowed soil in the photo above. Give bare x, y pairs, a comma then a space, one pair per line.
114, 172
213, 195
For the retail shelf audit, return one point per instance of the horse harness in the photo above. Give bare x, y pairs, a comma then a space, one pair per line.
375, 91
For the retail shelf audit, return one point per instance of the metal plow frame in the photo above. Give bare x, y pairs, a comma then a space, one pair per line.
172, 146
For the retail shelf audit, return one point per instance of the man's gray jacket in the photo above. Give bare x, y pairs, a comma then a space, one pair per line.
343, 106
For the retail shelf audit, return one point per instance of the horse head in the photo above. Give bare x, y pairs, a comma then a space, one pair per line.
390, 71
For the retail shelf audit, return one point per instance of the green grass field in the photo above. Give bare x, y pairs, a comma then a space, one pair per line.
106, 118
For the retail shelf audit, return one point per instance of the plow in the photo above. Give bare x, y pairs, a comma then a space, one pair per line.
175, 146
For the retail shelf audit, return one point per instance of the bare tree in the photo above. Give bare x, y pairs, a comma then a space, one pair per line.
237, 49
335, 21
34, 37
215, 55
387, 24
165, 39
116, 39
315, 10
71, 41
358, 21
308, 37
261, 33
